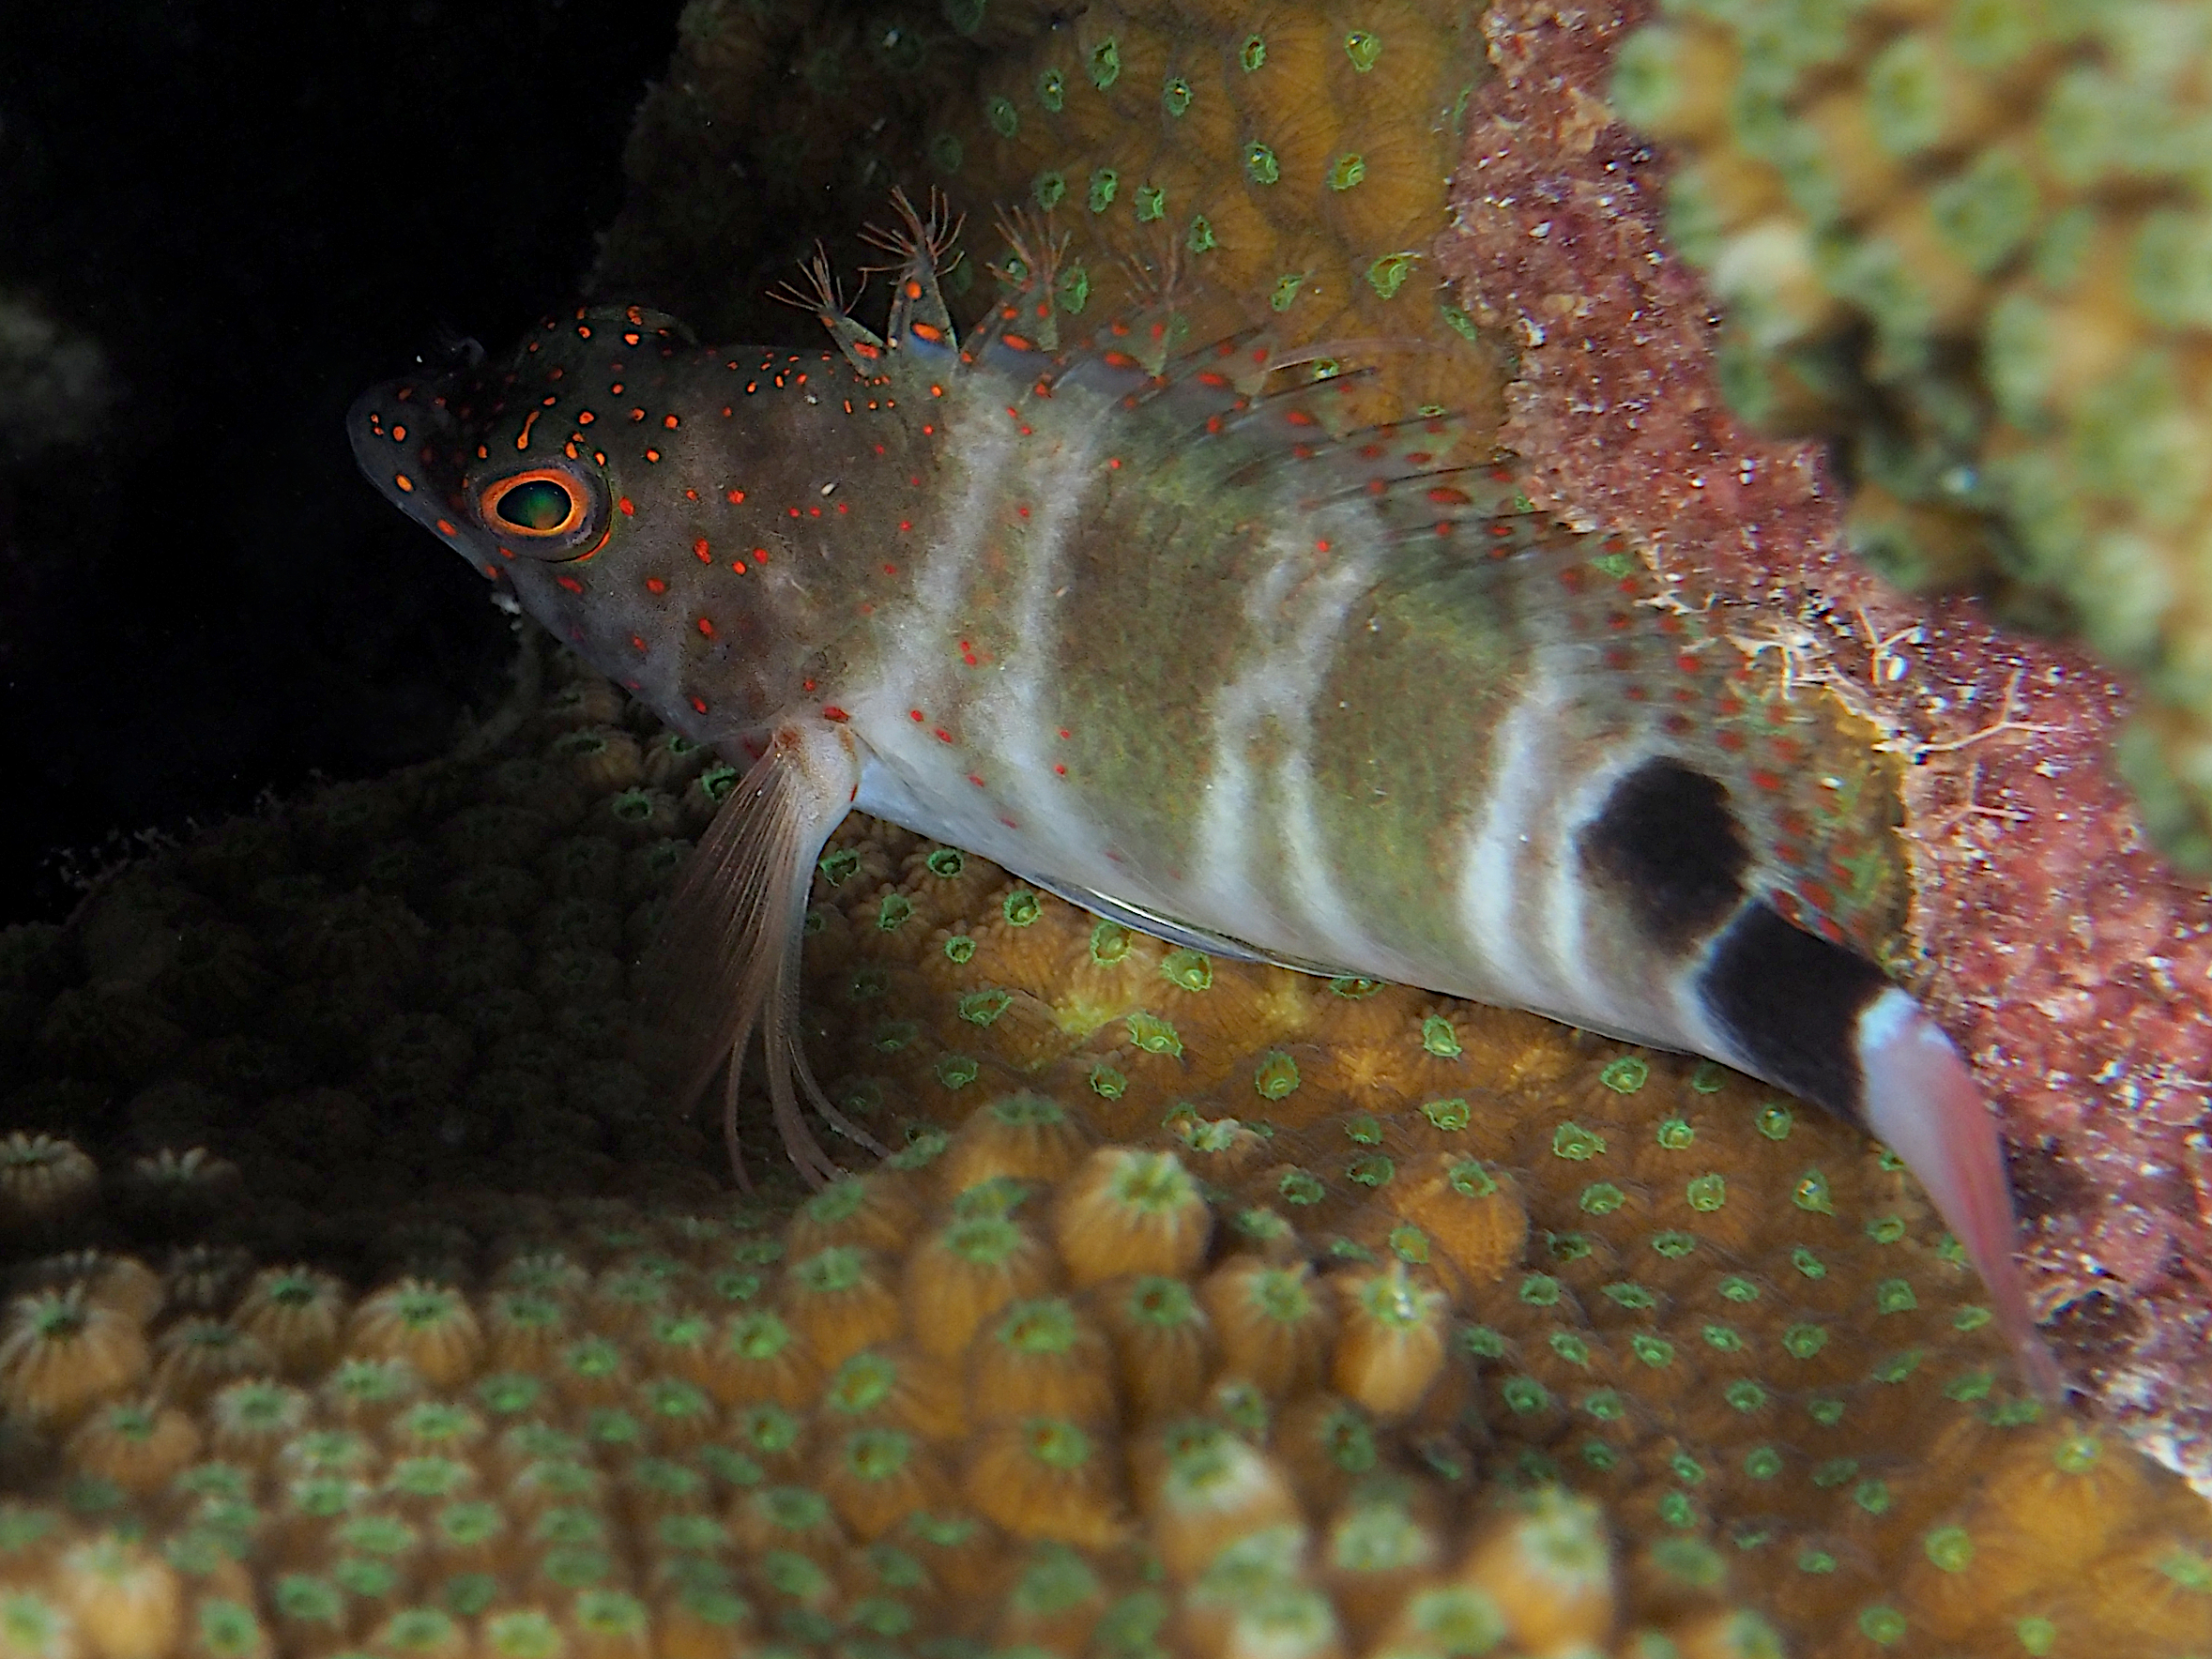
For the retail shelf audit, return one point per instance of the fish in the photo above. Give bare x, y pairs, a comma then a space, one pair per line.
1165, 626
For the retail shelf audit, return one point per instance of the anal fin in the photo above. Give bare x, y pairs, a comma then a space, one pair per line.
727, 960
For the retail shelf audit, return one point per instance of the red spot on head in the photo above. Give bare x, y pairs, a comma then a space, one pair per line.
570, 584
444, 528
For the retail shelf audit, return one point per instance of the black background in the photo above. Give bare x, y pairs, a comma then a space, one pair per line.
256, 210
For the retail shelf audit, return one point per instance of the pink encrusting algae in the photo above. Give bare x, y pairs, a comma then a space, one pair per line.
1162, 628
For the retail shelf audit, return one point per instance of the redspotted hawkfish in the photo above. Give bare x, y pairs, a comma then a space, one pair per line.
1154, 625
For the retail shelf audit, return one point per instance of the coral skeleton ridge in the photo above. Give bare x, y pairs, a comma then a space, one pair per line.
1205, 1309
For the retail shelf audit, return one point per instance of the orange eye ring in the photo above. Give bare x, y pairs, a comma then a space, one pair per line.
527, 504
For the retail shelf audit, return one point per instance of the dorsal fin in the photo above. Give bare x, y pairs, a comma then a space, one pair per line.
818, 292
918, 320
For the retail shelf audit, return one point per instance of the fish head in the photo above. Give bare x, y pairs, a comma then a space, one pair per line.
487, 456
584, 476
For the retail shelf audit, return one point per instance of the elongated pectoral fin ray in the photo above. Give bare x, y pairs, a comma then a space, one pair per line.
727, 960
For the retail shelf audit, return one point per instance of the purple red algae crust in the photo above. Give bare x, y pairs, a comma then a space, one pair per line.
2056, 947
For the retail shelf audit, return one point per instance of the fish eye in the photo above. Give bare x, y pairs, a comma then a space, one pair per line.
544, 502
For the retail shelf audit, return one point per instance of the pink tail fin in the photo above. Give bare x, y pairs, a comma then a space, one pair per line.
1921, 1099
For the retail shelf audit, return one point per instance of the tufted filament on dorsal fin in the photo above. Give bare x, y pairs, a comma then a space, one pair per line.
817, 291
1024, 327
924, 250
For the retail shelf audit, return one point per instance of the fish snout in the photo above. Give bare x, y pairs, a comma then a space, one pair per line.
410, 446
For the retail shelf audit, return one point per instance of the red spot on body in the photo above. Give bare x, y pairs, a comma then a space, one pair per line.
975, 779
831, 711
444, 528
654, 585
637, 642
700, 704
629, 507
668, 421
1443, 495
943, 736
737, 494
700, 549
914, 715
705, 628
570, 584
1060, 769
585, 417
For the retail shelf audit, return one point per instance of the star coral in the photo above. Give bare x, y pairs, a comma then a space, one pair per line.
2063, 954
1154, 1277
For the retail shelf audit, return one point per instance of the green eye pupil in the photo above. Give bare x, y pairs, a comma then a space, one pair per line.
538, 505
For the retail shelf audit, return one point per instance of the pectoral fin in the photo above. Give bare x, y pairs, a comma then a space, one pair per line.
726, 959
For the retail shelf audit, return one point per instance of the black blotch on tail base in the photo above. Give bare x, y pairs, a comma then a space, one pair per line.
1791, 1004
1667, 845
